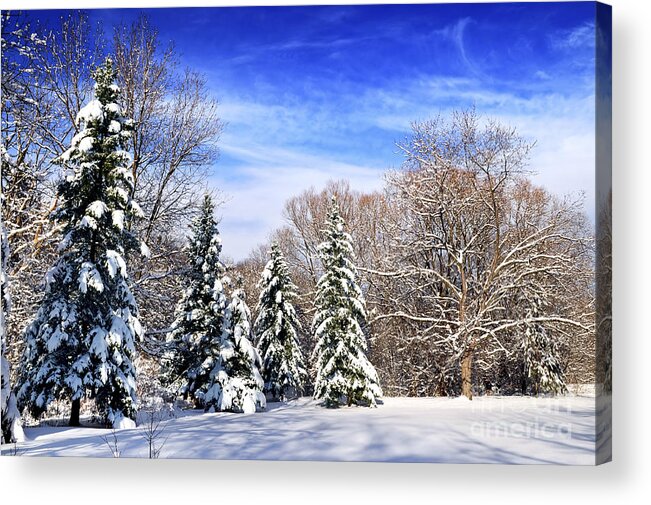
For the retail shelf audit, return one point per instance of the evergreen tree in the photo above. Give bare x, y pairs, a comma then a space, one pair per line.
542, 364
344, 374
82, 341
276, 327
12, 430
201, 313
235, 381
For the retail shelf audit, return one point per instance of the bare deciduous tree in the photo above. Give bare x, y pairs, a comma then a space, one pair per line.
475, 240
176, 127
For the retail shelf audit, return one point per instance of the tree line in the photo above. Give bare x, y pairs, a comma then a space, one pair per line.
81, 343
477, 280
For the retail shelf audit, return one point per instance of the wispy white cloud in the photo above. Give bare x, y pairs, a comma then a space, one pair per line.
266, 178
276, 147
456, 33
562, 126
251, 53
580, 36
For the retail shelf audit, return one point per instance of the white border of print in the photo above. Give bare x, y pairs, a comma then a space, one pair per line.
59, 480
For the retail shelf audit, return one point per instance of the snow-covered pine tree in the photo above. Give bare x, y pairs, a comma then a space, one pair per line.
82, 341
235, 381
12, 430
542, 364
276, 328
200, 315
343, 373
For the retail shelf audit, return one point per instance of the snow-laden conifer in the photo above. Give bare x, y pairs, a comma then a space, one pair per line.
276, 328
82, 341
12, 430
201, 313
343, 373
235, 381
541, 355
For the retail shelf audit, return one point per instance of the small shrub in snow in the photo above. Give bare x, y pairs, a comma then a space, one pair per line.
152, 431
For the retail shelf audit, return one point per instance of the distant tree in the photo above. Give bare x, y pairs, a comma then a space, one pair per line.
82, 341
541, 354
201, 314
474, 236
406, 366
343, 373
604, 298
235, 381
277, 327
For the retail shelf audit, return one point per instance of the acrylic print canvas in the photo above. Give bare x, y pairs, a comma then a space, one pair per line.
328, 233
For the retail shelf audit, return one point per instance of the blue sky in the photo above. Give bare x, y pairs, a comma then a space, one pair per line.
317, 93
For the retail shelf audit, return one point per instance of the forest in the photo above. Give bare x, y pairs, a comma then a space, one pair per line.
459, 277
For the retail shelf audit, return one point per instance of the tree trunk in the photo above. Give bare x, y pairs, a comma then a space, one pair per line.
466, 374
74, 413
523, 380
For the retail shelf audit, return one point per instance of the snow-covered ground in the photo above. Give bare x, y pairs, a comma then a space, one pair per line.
439, 430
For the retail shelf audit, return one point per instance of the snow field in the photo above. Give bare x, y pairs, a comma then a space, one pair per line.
507, 430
